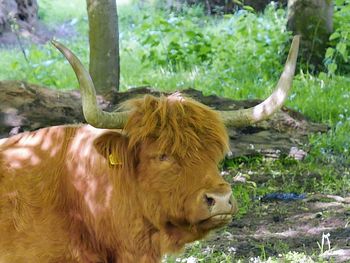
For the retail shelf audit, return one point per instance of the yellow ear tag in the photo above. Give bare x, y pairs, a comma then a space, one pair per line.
113, 160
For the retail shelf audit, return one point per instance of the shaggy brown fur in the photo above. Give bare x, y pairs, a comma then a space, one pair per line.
80, 194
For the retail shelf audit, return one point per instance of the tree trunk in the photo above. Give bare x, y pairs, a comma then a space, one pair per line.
104, 44
313, 20
23, 13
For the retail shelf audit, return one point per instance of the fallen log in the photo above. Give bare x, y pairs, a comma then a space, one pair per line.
27, 107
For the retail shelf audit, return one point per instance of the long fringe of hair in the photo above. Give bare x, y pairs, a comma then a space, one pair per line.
183, 127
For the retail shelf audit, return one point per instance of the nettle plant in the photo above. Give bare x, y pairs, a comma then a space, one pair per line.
337, 56
174, 42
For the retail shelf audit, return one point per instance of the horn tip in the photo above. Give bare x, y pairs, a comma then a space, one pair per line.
56, 44
296, 38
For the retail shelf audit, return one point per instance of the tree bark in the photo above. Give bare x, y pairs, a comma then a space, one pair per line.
313, 20
104, 44
29, 107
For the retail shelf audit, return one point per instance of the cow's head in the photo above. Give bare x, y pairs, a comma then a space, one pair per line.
174, 145
180, 143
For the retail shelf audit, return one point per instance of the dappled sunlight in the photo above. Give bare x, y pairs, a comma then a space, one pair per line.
96, 189
305, 225
77, 145
342, 255
300, 226
16, 157
94, 193
30, 149
82, 141
321, 205
39, 156
291, 232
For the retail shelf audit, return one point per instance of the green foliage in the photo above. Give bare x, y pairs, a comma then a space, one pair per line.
332, 147
173, 41
337, 57
247, 45
215, 55
244, 193
286, 175
58, 11
43, 65
327, 100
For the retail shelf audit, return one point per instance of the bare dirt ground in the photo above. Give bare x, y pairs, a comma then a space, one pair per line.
277, 227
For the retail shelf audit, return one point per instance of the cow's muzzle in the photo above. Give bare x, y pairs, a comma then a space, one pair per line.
220, 205
218, 209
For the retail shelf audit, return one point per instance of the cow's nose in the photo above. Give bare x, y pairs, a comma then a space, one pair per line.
220, 203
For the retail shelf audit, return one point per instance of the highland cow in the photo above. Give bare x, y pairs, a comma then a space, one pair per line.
131, 187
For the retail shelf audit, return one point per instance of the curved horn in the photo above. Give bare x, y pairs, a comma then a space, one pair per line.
92, 113
265, 109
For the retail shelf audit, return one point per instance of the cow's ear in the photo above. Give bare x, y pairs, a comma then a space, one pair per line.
114, 147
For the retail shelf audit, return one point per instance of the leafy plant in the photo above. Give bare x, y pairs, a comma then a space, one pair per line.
174, 42
337, 56
245, 45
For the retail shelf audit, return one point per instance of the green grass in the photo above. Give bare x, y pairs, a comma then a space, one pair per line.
56, 11
44, 65
237, 56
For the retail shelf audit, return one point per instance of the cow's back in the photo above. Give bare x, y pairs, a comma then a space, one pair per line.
30, 156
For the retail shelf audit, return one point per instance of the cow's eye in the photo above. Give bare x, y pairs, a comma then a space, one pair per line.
163, 157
